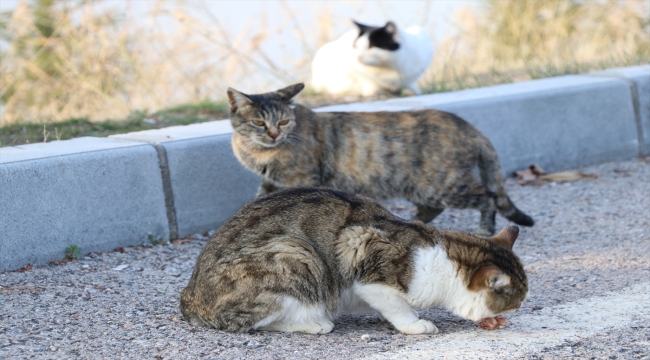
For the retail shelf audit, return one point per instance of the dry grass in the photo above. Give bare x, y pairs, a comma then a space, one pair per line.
86, 60
528, 39
99, 64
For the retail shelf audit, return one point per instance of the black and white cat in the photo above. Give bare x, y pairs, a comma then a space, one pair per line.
373, 60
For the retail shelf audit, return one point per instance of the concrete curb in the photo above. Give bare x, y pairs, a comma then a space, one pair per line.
638, 78
94, 193
204, 182
100, 193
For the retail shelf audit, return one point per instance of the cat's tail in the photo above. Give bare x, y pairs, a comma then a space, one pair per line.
492, 180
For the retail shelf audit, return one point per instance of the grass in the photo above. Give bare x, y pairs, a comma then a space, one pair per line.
27, 133
510, 41
155, 242
71, 252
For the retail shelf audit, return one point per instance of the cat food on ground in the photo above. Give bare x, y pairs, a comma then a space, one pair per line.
295, 259
372, 60
491, 323
428, 157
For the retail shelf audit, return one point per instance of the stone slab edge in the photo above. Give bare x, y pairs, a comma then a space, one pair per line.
638, 78
204, 183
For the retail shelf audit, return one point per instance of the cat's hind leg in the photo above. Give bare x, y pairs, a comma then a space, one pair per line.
427, 213
480, 199
488, 219
295, 316
265, 188
390, 303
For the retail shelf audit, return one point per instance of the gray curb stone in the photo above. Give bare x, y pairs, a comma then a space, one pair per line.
95, 193
207, 183
638, 77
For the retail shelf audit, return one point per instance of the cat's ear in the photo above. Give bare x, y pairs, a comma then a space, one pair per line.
506, 237
390, 28
237, 100
290, 92
362, 28
488, 277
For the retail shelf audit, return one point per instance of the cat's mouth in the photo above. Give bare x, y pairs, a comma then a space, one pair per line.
268, 143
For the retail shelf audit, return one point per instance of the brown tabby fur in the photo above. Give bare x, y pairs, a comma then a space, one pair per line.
428, 157
296, 242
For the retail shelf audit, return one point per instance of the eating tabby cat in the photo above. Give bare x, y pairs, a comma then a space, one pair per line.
295, 259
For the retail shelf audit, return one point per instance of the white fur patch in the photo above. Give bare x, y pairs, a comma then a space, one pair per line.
436, 282
295, 316
394, 307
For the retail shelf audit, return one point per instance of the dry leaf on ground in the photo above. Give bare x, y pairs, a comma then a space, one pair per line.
25, 268
182, 241
534, 175
567, 176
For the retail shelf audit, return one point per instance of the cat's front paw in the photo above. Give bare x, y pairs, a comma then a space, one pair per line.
419, 327
325, 327
318, 328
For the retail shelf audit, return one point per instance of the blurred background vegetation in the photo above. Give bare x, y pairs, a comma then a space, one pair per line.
72, 68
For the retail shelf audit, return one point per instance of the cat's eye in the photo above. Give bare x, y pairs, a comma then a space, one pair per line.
283, 122
258, 122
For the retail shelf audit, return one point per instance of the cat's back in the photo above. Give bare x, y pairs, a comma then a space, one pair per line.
421, 49
403, 125
309, 213
332, 63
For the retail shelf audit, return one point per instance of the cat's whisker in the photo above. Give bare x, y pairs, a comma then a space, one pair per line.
293, 139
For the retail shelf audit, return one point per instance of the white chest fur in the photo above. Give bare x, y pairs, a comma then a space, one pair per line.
436, 282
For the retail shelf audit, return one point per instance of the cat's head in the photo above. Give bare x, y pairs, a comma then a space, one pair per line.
267, 119
376, 46
495, 279
503, 282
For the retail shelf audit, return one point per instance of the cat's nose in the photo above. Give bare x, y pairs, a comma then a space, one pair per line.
273, 135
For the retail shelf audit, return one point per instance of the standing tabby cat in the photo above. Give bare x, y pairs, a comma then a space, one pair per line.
427, 157
294, 259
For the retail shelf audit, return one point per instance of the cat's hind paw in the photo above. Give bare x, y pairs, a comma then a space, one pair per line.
419, 327
320, 327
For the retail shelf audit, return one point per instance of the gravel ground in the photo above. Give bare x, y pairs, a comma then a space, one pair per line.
592, 237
